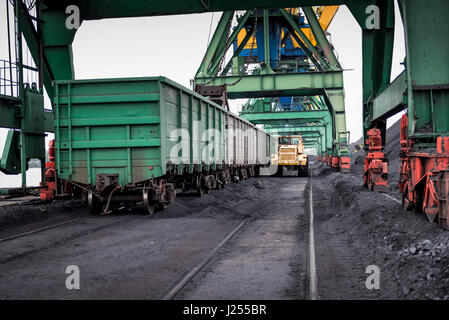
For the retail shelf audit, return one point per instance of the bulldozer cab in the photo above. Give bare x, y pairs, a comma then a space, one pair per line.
289, 140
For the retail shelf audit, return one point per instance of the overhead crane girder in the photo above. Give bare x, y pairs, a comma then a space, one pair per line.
286, 116
326, 82
276, 85
306, 131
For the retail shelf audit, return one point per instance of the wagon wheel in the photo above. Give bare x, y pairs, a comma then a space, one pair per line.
148, 204
95, 204
227, 177
200, 185
206, 187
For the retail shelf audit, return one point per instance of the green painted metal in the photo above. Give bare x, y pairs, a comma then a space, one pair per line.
285, 116
57, 43
427, 66
129, 136
23, 142
392, 100
266, 83
10, 110
234, 61
100, 9
31, 36
228, 42
304, 42
335, 100
377, 51
325, 141
321, 38
10, 160
275, 85
219, 36
271, 105
57, 39
266, 69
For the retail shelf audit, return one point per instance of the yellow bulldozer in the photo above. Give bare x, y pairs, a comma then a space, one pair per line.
290, 156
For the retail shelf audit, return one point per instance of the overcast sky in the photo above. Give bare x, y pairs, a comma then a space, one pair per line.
173, 46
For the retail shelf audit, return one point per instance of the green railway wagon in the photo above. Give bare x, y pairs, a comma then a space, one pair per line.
134, 140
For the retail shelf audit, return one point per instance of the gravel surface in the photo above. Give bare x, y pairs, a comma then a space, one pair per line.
135, 256
412, 253
20, 218
267, 259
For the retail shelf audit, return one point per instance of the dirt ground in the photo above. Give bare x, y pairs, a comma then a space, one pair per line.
135, 256
132, 255
412, 254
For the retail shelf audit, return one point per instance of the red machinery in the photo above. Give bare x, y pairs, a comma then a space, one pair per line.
375, 175
49, 189
344, 164
424, 178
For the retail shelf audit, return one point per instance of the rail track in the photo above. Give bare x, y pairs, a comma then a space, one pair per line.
58, 224
181, 283
173, 290
51, 226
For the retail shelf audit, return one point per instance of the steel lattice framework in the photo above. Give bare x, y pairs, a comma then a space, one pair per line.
422, 90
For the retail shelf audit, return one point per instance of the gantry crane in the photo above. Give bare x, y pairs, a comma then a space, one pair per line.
272, 57
422, 89
289, 52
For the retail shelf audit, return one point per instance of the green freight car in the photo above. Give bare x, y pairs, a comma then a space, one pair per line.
139, 139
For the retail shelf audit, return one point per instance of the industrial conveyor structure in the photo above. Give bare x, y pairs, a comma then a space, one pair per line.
288, 69
422, 90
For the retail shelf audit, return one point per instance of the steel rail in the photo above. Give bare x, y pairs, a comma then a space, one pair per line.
181, 283
22, 234
42, 229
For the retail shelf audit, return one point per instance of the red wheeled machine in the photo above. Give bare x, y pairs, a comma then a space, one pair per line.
375, 171
344, 164
48, 191
424, 178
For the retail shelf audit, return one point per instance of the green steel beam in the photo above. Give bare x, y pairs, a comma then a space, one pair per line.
427, 64
325, 140
304, 42
222, 51
11, 117
10, 110
321, 38
266, 117
277, 85
57, 39
336, 103
217, 38
57, 43
377, 51
32, 39
392, 100
100, 9
242, 45
266, 39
